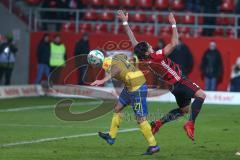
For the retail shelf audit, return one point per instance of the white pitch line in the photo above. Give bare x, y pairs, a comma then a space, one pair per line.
34, 125
43, 107
59, 138
41, 126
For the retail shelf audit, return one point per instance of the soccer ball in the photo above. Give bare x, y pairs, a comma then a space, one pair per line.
95, 57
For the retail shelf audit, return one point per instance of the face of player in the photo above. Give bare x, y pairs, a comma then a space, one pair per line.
150, 49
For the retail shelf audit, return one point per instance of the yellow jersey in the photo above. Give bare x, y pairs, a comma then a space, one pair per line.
131, 76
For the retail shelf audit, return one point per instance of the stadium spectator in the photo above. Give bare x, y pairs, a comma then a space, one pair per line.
43, 56
182, 56
211, 67
8, 52
81, 50
235, 77
193, 5
57, 58
210, 6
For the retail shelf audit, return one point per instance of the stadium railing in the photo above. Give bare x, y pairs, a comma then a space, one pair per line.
36, 21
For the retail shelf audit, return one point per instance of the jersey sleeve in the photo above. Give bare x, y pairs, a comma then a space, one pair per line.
159, 55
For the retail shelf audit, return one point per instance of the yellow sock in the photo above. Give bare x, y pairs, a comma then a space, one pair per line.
146, 131
116, 120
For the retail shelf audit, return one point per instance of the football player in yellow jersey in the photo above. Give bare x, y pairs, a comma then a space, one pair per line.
134, 93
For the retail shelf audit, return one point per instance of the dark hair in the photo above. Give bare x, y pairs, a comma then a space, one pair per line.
140, 49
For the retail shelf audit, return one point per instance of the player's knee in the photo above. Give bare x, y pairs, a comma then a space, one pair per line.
140, 119
201, 94
117, 109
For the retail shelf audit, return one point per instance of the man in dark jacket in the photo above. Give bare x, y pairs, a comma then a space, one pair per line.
183, 56
81, 51
43, 55
211, 67
7, 59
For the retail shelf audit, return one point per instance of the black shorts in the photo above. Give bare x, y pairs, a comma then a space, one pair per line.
184, 90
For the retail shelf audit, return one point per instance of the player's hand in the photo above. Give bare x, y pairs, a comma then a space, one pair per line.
97, 83
123, 17
171, 18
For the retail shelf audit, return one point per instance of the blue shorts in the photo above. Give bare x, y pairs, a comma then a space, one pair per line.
137, 99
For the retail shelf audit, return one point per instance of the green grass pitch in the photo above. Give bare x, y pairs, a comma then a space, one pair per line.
217, 134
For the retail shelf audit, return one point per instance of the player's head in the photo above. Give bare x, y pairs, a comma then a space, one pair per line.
143, 49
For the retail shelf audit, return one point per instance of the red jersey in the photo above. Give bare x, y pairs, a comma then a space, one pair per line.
164, 67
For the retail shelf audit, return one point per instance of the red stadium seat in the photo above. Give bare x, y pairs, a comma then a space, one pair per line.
138, 17
119, 30
52, 4
145, 3
107, 16
96, 3
227, 6
149, 30
90, 15
33, 2
68, 27
136, 28
184, 31
220, 20
200, 20
85, 27
230, 32
219, 32
161, 4
188, 19
229, 21
177, 18
112, 3
129, 3
101, 28
177, 5
198, 32
165, 30
86, 2
153, 17
225, 21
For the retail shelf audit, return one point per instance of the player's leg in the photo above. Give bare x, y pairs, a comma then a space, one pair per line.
110, 137
183, 108
191, 90
139, 104
197, 104
116, 120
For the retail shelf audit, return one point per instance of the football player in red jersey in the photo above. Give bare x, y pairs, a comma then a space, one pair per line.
168, 71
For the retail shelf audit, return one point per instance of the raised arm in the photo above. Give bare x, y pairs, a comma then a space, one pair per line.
174, 41
124, 18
